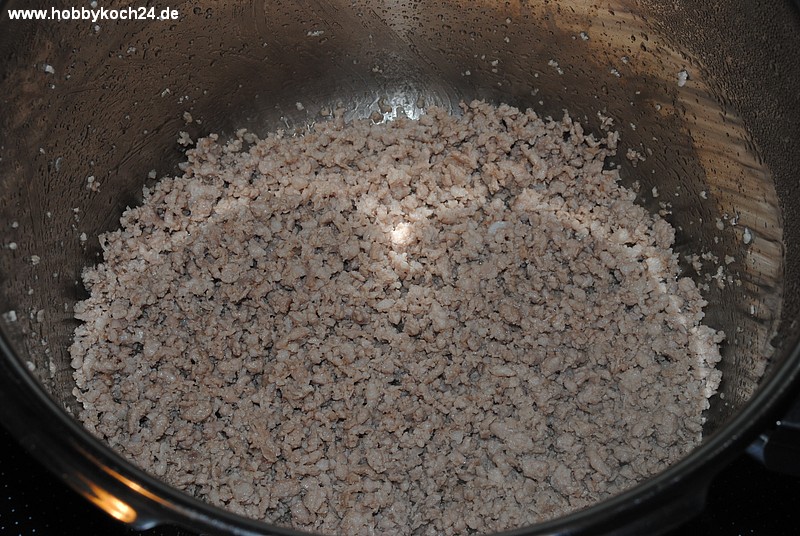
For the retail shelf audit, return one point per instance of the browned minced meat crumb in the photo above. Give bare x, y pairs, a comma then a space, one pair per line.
451, 325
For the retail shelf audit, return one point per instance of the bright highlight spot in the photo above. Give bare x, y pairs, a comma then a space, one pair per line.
401, 234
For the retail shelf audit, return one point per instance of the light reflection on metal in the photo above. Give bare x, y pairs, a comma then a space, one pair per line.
112, 505
134, 486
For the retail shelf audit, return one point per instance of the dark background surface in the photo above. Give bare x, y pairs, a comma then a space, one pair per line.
745, 499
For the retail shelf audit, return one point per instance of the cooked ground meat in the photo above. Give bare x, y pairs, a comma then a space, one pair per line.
451, 325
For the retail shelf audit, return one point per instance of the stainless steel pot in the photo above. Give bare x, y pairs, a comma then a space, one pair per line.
707, 92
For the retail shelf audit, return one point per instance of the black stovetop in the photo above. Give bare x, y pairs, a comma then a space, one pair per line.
745, 499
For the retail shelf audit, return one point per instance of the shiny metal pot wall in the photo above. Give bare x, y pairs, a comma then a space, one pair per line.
707, 93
